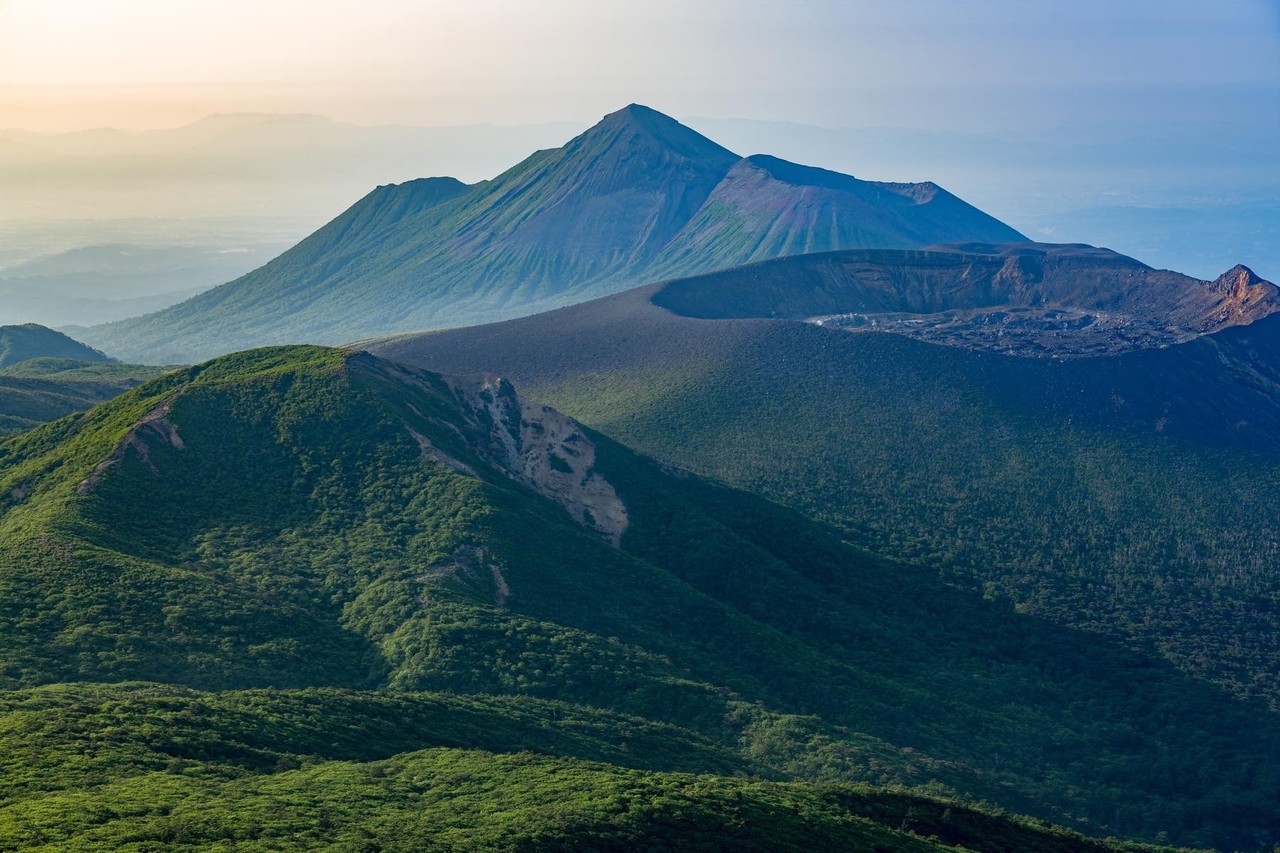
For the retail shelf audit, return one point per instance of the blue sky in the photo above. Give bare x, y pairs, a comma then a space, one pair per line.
935, 64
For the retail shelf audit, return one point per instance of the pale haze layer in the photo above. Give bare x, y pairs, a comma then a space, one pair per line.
68, 65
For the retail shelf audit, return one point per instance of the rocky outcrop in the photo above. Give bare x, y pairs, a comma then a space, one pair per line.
526, 441
548, 451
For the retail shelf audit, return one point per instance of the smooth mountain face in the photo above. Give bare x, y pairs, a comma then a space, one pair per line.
636, 198
1130, 493
415, 564
1059, 301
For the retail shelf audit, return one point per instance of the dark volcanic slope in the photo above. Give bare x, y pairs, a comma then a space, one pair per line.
636, 198
1022, 298
1132, 493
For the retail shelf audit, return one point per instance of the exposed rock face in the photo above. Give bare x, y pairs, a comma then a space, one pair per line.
153, 427
548, 451
526, 441
1245, 298
470, 565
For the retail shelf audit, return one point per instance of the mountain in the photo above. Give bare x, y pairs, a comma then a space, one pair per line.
635, 198
1112, 477
45, 375
19, 343
367, 598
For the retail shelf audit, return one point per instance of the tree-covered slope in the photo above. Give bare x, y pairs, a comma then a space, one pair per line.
299, 518
1131, 494
46, 388
633, 199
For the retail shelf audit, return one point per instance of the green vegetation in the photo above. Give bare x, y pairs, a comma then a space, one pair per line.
146, 767
266, 525
922, 457
1132, 496
20, 343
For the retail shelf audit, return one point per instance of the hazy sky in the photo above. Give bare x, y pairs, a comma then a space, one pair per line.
71, 64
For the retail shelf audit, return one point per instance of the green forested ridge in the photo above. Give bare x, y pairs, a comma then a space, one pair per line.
267, 522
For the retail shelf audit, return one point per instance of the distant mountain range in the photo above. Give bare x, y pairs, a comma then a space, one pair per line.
100, 283
636, 198
336, 572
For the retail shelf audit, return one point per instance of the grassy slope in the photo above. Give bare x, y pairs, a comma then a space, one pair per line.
296, 540
147, 767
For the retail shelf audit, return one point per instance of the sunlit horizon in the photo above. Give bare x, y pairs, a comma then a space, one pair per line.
70, 65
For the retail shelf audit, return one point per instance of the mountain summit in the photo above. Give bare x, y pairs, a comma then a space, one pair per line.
636, 198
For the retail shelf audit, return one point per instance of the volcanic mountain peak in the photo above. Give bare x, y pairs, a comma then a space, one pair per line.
637, 198
1239, 280
635, 125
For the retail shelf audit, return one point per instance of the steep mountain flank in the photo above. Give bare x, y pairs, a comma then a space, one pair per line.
636, 198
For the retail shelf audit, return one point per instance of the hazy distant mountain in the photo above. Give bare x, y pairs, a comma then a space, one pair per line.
1105, 475
369, 567
637, 197
100, 283
241, 165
